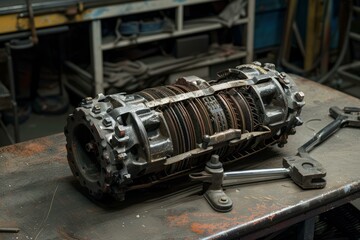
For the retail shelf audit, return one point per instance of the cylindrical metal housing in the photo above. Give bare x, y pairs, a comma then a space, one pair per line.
120, 142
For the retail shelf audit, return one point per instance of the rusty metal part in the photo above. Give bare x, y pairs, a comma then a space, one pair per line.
34, 36
305, 172
9, 230
120, 142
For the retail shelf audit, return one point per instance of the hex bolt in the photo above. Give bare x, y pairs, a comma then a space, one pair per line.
88, 100
89, 147
270, 66
107, 122
223, 199
119, 132
96, 109
214, 159
299, 96
257, 63
121, 156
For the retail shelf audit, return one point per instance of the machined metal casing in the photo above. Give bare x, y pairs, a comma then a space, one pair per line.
120, 142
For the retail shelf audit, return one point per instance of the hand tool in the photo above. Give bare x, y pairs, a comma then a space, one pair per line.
9, 230
347, 117
305, 171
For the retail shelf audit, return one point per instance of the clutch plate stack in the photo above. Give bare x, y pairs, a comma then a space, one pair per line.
121, 142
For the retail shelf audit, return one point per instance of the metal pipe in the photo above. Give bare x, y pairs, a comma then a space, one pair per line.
13, 92
25, 34
9, 230
256, 173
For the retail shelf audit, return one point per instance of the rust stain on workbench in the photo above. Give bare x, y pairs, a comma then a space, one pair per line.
39, 151
204, 223
210, 223
30, 149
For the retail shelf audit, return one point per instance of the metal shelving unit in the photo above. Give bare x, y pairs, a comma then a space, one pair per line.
183, 28
346, 71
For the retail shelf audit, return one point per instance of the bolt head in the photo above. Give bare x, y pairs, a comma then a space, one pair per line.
107, 122
270, 66
224, 199
96, 109
299, 96
257, 63
121, 156
88, 100
119, 132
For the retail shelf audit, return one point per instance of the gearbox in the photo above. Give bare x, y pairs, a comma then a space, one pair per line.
121, 142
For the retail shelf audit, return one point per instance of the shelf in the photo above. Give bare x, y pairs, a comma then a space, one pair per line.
159, 61
216, 59
182, 28
189, 28
83, 79
136, 7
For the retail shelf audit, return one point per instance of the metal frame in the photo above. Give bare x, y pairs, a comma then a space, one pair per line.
138, 7
343, 71
12, 100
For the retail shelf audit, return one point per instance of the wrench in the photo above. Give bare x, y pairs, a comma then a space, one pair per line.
303, 169
347, 117
305, 172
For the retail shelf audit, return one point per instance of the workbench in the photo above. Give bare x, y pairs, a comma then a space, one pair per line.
41, 197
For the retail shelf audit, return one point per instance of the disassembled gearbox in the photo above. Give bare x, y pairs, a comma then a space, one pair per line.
121, 142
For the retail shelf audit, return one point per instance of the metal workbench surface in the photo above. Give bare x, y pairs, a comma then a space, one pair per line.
40, 196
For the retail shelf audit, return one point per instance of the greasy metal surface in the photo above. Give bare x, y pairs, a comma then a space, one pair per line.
39, 195
119, 142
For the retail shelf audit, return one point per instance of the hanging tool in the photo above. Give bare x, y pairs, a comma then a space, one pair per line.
305, 171
34, 36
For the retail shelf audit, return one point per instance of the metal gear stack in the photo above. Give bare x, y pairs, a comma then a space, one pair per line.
120, 142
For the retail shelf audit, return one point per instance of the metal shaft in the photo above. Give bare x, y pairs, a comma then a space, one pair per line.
9, 230
256, 173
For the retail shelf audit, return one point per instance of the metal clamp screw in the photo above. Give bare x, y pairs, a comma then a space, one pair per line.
107, 122
299, 96
96, 109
